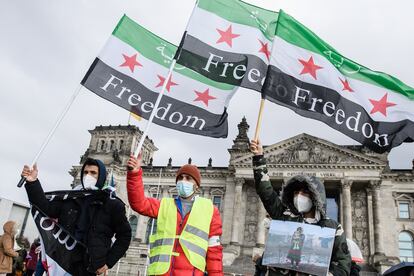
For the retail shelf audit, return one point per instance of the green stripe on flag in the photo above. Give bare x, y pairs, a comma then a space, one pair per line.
156, 49
243, 13
295, 33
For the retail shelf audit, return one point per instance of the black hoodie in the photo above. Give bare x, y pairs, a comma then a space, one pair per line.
100, 183
105, 218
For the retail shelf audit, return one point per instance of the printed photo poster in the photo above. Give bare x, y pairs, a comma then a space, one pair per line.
300, 247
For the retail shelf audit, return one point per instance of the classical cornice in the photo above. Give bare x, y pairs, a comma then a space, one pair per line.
405, 176
318, 166
359, 159
210, 173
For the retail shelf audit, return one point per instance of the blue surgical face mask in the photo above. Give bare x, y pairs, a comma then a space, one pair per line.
185, 188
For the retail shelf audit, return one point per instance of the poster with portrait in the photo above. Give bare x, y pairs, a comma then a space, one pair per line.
300, 247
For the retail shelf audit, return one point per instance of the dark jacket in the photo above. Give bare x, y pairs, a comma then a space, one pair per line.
31, 258
103, 215
282, 208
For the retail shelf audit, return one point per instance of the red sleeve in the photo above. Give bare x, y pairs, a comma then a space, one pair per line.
146, 206
214, 257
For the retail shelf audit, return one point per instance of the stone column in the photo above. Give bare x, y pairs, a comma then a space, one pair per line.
237, 211
370, 221
347, 205
164, 192
261, 231
376, 198
206, 192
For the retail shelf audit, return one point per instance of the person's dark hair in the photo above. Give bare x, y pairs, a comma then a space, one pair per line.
90, 162
36, 241
301, 185
23, 242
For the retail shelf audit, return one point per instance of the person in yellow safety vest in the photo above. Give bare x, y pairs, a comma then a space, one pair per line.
187, 239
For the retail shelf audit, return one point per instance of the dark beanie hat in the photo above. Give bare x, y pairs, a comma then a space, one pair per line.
190, 170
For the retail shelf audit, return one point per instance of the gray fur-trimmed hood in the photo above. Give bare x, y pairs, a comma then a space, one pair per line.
313, 184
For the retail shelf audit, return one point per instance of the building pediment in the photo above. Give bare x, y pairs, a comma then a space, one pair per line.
307, 149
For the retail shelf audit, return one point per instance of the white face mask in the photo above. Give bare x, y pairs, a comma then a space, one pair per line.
302, 203
185, 188
89, 182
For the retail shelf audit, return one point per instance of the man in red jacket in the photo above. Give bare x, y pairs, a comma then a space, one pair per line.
189, 227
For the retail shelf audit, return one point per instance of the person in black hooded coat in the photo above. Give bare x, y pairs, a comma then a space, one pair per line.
93, 220
289, 207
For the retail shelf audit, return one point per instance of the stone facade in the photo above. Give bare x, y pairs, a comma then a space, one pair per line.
364, 195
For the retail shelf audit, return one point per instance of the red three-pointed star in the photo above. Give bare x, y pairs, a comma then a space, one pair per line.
204, 96
227, 36
309, 67
130, 62
345, 83
264, 49
169, 83
381, 105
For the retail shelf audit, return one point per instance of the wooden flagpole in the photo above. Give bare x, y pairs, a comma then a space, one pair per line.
259, 120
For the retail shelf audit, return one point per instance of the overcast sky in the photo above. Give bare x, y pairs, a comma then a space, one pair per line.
47, 46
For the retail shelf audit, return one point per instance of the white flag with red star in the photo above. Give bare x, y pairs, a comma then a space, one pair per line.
308, 76
131, 69
229, 41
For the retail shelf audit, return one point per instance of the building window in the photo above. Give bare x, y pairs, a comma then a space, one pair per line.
111, 146
133, 221
217, 201
102, 147
404, 210
406, 247
121, 143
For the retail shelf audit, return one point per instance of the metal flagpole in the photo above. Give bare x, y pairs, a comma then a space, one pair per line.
52, 131
154, 110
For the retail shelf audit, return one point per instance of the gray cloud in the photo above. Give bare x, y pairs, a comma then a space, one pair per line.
47, 46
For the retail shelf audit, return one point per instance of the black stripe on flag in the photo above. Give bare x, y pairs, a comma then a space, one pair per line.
59, 245
327, 105
244, 70
131, 95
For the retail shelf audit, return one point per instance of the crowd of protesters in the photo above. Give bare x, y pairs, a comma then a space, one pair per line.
187, 238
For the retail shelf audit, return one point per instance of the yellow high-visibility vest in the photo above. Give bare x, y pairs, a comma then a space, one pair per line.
193, 238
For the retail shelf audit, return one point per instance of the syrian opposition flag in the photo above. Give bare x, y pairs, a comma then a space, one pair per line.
229, 41
310, 77
131, 70
61, 252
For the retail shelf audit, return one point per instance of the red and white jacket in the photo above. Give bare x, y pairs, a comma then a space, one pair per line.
180, 266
